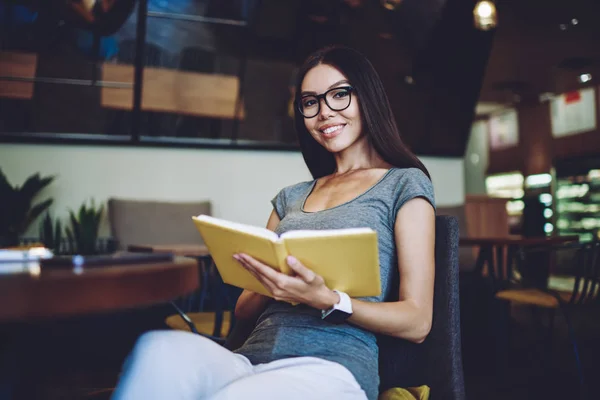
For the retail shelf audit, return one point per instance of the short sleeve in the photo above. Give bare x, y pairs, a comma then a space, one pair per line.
412, 184
279, 204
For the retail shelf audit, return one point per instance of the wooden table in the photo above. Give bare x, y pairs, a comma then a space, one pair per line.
500, 254
198, 252
186, 250
210, 278
53, 292
516, 240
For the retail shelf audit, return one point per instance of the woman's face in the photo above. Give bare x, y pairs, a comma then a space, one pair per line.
334, 130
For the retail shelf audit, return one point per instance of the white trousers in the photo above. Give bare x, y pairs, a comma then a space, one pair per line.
173, 365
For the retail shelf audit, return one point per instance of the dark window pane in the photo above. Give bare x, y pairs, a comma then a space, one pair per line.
198, 85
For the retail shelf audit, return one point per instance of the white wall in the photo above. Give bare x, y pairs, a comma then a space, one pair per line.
240, 184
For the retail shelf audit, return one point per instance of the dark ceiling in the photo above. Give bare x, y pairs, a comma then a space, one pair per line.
542, 47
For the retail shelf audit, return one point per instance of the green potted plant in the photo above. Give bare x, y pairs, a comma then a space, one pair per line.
17, 210
51, 234
82, 234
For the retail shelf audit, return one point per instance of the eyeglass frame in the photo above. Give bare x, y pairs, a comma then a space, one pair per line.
349, 88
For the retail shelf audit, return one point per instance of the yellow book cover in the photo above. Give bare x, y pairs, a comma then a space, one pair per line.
347, 259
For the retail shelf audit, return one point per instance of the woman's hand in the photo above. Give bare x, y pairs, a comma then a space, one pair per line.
304, 287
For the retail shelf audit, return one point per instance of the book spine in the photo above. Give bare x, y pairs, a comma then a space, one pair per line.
281, 254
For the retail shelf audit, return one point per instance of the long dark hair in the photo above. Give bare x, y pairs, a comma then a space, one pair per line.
377, 118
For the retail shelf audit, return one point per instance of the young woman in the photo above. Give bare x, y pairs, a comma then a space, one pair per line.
324, 346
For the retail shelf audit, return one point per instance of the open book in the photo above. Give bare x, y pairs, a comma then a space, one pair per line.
348, 259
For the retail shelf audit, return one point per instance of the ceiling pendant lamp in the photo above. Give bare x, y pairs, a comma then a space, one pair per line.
390, 4
484, 15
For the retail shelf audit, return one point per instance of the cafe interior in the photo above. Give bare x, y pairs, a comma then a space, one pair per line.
122, 119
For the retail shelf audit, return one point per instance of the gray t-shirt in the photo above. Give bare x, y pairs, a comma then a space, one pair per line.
284, 331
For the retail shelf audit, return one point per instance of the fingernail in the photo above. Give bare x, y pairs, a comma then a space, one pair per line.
237, 257
292, 260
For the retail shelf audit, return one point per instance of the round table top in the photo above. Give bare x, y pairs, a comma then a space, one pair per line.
53, 292
516, 240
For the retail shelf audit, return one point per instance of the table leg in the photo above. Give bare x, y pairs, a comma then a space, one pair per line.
205, 265
482, 257
535, 268
499, 269
219, 302
510, 261
491, 262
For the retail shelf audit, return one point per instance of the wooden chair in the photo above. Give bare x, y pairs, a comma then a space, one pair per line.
204, 323
217, 323
584, 291
154, 222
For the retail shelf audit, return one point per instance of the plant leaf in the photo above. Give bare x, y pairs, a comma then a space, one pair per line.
33, 185
16, 212
71, 241
58, 237
5, 185
33, 214
46, 231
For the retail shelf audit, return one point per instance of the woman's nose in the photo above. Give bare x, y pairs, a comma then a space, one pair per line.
324, 111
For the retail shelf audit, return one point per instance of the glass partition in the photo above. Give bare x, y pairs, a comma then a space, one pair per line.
146, 71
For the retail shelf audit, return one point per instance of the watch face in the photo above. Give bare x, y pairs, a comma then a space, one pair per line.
337, 316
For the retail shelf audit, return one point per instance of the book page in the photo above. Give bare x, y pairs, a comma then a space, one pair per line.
347, 259
252, 230
325, 233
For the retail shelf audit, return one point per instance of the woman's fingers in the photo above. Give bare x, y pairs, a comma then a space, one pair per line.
301, 271
283, 287
263, 269
264, 280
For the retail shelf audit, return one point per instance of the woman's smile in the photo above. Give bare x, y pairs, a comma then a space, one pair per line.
330, 131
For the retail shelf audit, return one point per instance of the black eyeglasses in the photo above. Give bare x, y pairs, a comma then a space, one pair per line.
337, 99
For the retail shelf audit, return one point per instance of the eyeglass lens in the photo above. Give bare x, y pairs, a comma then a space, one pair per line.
337, 99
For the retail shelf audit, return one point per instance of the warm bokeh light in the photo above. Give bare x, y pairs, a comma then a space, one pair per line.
391, 4
485, 15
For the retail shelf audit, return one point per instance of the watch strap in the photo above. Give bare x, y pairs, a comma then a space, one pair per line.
340, 311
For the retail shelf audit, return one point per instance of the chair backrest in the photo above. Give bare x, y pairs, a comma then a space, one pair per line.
467, 256
586, 288
437, 362
154, 222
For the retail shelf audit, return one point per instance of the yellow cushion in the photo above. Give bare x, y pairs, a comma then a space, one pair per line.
203, 321
411, 393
